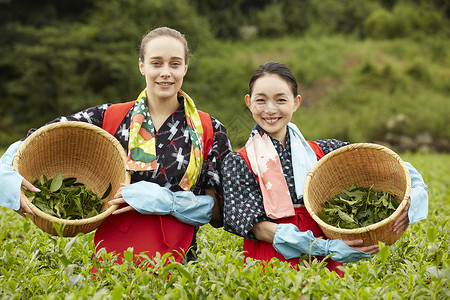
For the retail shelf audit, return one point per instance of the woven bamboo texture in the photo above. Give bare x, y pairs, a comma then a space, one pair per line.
80, 150
364, 165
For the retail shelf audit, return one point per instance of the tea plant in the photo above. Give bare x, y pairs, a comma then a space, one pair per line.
35, 265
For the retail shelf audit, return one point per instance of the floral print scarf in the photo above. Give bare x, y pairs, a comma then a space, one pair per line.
141, 144
265, 163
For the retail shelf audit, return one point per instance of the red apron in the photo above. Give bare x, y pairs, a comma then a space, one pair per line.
265, 251
144, 233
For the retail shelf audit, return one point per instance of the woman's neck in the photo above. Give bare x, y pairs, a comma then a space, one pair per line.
281, 137
282, 141
161, 109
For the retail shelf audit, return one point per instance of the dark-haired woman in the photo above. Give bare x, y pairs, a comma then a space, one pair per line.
263, 181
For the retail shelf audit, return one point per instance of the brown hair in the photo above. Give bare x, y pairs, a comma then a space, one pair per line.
164, 31
275, 68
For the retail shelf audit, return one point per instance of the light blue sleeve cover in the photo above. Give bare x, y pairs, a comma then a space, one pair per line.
192, 209
418, 210
11, 181
291, 243
150, 198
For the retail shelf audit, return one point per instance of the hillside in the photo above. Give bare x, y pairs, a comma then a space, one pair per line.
394, 92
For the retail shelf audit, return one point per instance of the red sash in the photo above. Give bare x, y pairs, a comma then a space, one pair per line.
265, 251
146, 233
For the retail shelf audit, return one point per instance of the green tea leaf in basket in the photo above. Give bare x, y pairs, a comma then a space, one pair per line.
65, 198
69, 181
43, 179
56, 182
345, 217
358, 207
106, 194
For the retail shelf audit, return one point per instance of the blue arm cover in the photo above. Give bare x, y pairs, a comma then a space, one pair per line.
11, 181
150, 198
418, 210
291, 243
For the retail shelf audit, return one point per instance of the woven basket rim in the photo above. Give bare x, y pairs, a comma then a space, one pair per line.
49, 127
371, 227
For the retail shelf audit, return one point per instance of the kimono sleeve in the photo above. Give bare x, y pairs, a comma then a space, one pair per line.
210, 177
243, 203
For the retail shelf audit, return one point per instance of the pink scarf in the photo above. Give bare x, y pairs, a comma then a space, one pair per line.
266, 164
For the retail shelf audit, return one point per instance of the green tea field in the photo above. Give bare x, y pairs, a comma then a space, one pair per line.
35, 265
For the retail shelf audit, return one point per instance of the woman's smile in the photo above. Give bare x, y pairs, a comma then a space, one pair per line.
164, 84
271, 120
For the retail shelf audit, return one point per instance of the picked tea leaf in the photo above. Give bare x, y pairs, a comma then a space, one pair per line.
56, 182
108, 190
65, 198
358, 207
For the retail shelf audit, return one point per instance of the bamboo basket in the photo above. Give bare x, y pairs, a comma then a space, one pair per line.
364, 165
80, 150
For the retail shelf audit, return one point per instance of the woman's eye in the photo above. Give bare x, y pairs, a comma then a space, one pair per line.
176, 64
282, 100
156, 63
259, 100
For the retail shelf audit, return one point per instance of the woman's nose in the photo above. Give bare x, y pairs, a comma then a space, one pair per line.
165, 71
270, 107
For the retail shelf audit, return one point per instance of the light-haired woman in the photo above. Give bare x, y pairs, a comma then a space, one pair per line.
174, 156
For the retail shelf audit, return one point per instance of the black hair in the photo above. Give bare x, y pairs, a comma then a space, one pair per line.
275, 68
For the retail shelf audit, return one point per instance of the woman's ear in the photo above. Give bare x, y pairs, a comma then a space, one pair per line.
141, 67
186, 68
297, 101
248, 101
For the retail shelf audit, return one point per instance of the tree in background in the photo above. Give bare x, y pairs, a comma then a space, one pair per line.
59, 57
406, 21
287, 17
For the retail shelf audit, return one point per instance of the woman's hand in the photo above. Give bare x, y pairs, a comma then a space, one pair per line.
372, 249
24, 208
402, 222
118, 200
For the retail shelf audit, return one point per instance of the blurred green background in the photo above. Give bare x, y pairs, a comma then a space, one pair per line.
369, 71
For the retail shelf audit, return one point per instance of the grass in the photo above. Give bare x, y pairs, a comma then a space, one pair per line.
34, 265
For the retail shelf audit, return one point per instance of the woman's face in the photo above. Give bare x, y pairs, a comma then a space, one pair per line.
272, 105
163, 67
